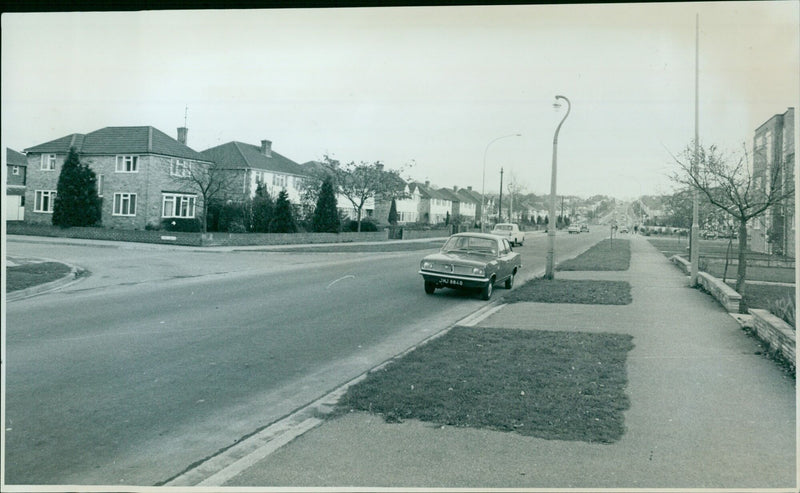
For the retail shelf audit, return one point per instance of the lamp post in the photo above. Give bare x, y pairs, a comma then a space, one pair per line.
483, 184
551, 227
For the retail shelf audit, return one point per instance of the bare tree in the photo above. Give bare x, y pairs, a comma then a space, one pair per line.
514, 188
208, 181
730, 185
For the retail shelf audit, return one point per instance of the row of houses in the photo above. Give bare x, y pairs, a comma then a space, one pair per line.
141, 175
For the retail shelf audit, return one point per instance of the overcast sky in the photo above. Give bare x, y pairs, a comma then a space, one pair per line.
428, 86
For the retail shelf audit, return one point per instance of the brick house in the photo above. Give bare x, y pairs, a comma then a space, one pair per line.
773, 154
140, 175
253, 164
433, 206
16, 168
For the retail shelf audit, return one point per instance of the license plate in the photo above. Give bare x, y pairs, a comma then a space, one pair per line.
453, 282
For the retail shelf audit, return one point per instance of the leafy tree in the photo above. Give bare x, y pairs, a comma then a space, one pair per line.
326, 213
76, 203
393, 213
262, 209
283, 219
361, 182
730, 185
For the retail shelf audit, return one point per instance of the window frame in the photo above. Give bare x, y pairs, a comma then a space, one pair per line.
15, 170
122, 165
180, 171
48, 162
131, 204
38, 199
180, 201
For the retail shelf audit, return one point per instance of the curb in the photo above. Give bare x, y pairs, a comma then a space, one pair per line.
75, 274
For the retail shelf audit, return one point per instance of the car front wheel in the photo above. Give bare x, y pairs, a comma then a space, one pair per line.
486, 292
429, 287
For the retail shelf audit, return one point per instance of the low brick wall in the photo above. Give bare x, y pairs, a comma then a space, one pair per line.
726, 295
415, 234
254, 239
682, 263
192, 239
775, 332
136, 236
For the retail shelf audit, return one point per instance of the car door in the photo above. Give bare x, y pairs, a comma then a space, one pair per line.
504, 260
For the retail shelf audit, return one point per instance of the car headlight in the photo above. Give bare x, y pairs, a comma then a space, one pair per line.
478, 271
426, 265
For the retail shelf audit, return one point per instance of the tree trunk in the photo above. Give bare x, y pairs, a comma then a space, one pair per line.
358, 214
741, 271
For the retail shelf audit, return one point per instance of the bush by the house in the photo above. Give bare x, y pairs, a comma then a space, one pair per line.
181, 224
326, 214
367, 226
76, 202
283, 218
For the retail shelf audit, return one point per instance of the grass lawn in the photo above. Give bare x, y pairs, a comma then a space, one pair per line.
572, 291
763, 295
28, 275
552, 385
605, 255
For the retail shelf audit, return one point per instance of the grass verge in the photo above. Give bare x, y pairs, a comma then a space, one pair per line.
572, 291
29, 275
552, 385
605, 255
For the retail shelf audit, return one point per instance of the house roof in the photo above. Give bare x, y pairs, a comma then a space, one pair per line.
120, 140
472, 194
238, 155
14, 158
449, 195
427, 192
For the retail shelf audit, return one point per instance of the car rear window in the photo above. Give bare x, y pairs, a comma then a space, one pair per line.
503, 228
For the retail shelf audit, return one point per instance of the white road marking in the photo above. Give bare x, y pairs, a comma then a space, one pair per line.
340, 279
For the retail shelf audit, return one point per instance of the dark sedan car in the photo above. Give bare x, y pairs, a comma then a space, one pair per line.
471, 261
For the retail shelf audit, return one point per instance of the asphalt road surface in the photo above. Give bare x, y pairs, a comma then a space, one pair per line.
162, 358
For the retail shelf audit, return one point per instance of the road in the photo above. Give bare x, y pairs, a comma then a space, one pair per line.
162, 358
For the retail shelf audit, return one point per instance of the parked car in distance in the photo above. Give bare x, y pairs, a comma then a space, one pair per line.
510, 231
573, 228
623, 229
584, 227
471, 261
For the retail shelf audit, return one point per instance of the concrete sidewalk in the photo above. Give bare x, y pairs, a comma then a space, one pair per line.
706, 411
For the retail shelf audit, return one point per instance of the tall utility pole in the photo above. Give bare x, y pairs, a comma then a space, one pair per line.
500, 201
694, 254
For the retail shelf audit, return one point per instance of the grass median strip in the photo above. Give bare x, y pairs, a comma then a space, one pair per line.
547, 384
33, 274
605, 255
572, 291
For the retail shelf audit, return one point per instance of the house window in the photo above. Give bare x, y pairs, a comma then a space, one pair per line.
180, 167
15, 170
100, 181
48, 162
127, 164
45, 199
178, 205
124, 204
279, 180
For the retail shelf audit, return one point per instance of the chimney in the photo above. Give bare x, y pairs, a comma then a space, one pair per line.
182, 131
469, 188
455, 188
428, 183
266, 147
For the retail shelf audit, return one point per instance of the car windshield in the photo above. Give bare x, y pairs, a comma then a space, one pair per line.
470, 244
503, 227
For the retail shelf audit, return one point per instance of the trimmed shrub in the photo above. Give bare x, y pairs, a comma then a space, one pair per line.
181, 224
367, 226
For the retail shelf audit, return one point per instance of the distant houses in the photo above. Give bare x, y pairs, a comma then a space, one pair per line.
16, 168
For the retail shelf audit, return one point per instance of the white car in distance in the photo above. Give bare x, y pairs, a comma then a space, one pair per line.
509, 231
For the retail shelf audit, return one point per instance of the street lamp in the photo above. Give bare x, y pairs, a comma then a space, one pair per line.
483, 184
551, 227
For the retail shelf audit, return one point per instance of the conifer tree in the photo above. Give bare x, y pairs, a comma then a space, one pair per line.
393, 213
326, 213
283, 220
263, 209
76, 203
